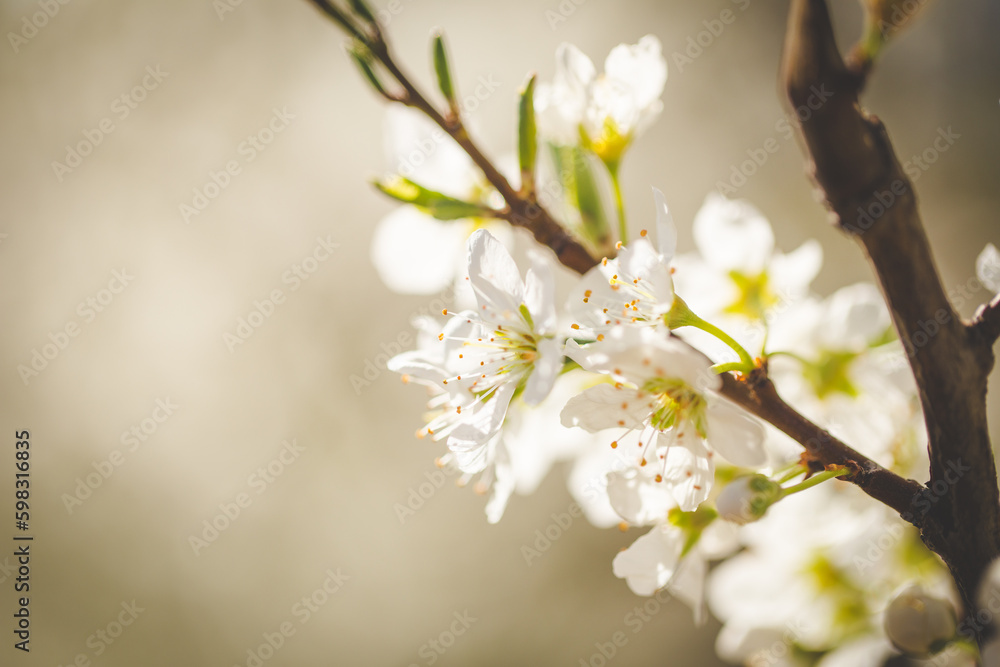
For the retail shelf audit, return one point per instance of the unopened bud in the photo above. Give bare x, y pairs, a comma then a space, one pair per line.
918, 624
746, 499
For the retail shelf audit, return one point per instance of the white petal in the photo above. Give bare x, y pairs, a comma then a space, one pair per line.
871, 651
688, 585
988, 267
689, 472
790, 275
641, 67
648, 565
639, 261
470, 439
855, 316
419, 150
414, 253
637, 499
733, 235
503, 484
573, 68
734, 434
666, 230
606, 406
494, 276
540, 292
544, 371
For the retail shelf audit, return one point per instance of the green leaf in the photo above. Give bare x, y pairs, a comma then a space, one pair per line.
363, 59
362, 9
439, 205
442, 70
576, 174
527, 135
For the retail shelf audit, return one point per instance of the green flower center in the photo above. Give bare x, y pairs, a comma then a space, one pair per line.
676, 402
755, 295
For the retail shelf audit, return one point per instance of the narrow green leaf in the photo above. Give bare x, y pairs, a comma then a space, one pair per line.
362, 58
576, 175
442, 70
362, 9
439, 205
527, 136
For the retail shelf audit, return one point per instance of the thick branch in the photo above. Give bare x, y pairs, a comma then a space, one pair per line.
873, 200
986, 323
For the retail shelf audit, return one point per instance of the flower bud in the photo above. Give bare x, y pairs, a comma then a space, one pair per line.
918, 624
746, 499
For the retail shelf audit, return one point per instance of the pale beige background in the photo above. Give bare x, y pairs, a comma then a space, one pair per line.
162, 336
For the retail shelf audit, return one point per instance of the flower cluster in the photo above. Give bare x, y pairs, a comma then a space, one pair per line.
625, 384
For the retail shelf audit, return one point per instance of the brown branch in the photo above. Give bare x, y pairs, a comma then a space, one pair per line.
758, 396
986, 323
864, 184
522, 209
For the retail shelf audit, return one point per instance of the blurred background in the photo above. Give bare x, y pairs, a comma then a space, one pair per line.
149, 424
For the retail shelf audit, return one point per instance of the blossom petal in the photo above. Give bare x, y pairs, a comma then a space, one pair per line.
688, 585
469, 440
503, 484
791, 274
650, 563
606, 406
494, 276
637, 499
734, 434
666, 230
988, 267
641, 67
545, 371
689, 472
418, 149
732, 235
414, 253
540, 292
573, 68
638, 262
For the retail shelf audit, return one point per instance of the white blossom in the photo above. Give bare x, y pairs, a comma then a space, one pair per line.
606, 110
666, 391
